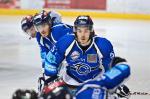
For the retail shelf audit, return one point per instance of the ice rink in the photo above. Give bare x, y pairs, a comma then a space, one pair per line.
20, 63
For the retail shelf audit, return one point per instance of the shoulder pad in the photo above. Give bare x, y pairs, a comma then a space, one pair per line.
65, 42
59, 31
104, 45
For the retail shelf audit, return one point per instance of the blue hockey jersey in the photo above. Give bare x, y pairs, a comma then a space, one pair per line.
81, 65
46, 43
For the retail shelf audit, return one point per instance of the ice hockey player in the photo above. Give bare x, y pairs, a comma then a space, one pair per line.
55, 25
47, 31
87, 56
28, 27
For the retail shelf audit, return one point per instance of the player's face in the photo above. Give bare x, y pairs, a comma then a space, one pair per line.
31, 31
43, 29
83, 34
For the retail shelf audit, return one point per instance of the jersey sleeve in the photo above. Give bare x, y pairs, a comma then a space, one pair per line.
43, 50
56, 55
43, 53
60, 30
108, 56
52, 61
107, 51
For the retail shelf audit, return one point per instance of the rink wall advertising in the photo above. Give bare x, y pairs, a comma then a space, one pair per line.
9, 4
124, 9
76, 4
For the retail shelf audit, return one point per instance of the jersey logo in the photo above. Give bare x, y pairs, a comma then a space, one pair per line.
82, 68
92, 58
75, 55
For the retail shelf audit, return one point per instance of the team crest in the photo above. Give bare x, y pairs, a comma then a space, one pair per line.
92, 58
75, 55
82, 68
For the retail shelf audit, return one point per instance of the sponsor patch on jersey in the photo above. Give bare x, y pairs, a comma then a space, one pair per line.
92, 58
75, 55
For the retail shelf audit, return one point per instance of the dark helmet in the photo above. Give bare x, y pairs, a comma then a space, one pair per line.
56, 90
42, 17
27, 22
83, 20
24, 94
